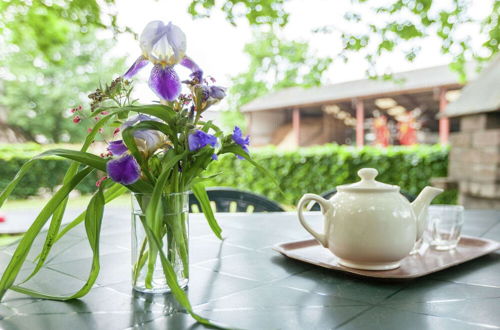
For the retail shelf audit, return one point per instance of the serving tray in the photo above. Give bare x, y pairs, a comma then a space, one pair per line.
425, 262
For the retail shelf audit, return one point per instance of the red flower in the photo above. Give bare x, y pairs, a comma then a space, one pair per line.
77, 119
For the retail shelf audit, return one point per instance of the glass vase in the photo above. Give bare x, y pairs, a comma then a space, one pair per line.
171, 231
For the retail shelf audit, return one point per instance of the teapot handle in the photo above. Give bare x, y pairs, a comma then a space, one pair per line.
325, 205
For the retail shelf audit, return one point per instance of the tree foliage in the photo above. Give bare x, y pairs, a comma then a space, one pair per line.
50, 57
390, 27
46, 25
276, 63
401, 25
256, 12
38, 93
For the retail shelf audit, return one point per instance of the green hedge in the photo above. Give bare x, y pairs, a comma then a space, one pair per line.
319, 169
315, 169
45, 175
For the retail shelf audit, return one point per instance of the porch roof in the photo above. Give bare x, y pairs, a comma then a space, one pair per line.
412, 81
480, 95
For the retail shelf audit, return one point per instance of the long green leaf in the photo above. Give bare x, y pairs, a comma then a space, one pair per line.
202, 197
171, 278
157, 126
55, 223
79, 156
116, 190
165, 113
26, 242
93, 221
154, 209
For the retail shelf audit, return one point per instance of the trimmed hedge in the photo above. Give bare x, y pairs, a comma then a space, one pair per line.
314, 169
322, 168
45, 175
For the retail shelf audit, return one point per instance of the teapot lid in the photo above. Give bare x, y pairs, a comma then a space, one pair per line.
368, 182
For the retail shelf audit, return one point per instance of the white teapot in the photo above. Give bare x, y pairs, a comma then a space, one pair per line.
369, 224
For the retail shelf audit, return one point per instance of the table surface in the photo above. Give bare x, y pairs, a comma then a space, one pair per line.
242, 282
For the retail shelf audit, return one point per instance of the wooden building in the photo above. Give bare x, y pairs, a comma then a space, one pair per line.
342, 112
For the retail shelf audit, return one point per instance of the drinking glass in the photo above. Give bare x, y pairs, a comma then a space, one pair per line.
445, 224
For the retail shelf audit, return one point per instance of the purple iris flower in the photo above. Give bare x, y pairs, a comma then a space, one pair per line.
200, 139
164, 46
117, 148
124, 170
240, 140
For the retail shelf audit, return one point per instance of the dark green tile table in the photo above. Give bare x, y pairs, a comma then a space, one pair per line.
242, 282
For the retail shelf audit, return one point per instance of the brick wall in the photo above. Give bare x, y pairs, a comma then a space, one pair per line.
475, 160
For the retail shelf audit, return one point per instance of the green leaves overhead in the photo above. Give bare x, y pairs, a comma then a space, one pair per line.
275, 63
257, 12
398, 27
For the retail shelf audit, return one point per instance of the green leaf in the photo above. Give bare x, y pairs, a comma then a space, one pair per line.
55, 223
202, 197
110, 194
171, 277
93, 221
79, 156
26, 242
165, 113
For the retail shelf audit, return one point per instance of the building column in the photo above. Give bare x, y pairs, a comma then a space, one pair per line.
296, 125
360, 127
444, 122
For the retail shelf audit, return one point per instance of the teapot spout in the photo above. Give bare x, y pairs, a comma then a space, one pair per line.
420, 206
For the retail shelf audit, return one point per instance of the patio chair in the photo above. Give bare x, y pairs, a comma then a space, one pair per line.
328, 194
223, 199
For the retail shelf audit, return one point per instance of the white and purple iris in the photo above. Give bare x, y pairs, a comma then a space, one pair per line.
123, 168
164, 45
238, 138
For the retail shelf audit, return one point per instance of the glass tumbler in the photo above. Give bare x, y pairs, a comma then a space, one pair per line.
444, 226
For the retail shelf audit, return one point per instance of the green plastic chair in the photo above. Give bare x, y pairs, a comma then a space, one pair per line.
229, 200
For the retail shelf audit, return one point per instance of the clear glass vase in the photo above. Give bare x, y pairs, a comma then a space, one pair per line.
171, 231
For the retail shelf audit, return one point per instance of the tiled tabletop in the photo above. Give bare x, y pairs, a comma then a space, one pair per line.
242, 282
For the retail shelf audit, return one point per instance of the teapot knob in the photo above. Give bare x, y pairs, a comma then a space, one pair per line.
368, 174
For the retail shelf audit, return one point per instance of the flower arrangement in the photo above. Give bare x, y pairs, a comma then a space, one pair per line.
162, 153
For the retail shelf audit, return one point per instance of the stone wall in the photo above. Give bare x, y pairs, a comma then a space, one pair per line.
475, 160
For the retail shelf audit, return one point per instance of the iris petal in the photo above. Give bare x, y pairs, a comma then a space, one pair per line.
151, 140
150, 36
165, 82
136, 67
190, 64
176, 39
217, 92
162, 52
124, 170
200, 139
197, 72
117, 148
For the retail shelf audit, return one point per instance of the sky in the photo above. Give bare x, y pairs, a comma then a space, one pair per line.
217, 46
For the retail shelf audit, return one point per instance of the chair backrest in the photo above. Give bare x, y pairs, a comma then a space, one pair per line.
328, 194
224, 199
